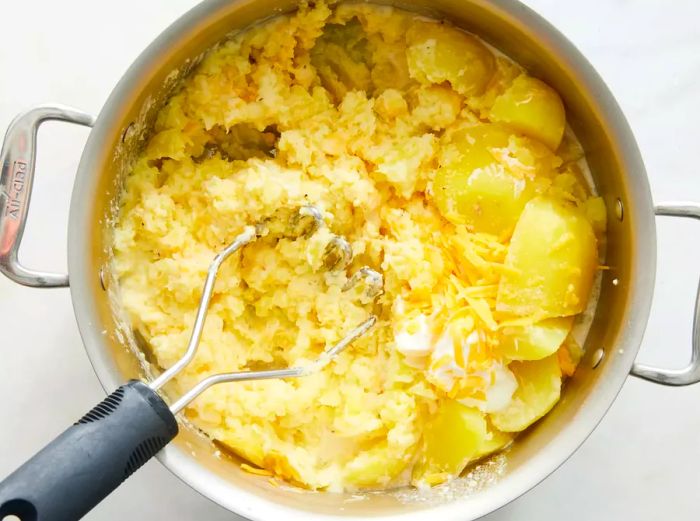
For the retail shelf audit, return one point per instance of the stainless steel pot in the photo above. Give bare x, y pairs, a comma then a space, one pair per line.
611, 346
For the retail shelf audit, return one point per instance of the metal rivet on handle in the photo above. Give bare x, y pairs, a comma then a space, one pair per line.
619, 209
597, 357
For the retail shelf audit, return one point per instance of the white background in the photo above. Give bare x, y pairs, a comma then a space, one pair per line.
642, 463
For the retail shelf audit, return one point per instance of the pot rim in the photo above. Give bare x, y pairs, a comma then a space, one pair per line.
548, 459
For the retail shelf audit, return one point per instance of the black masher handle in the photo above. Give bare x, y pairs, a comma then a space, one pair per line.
89, 460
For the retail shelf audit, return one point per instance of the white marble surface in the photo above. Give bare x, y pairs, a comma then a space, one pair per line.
642, 463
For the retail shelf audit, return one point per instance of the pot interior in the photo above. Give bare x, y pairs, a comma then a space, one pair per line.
616, 329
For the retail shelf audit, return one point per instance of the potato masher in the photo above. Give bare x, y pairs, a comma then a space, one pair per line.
85, 463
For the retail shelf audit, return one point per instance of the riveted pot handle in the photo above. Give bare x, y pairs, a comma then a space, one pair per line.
17, 160
691, 373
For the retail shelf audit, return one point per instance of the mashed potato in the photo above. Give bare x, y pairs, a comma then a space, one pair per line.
427, 152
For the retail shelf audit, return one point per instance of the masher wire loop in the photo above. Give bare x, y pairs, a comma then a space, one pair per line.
372, 279
290, 372
241, 240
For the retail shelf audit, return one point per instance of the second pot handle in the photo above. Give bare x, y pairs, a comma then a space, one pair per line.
691, 373
17, 160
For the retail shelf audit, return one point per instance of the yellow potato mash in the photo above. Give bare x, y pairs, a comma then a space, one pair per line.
446, 166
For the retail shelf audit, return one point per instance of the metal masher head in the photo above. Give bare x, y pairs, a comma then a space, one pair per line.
303, 222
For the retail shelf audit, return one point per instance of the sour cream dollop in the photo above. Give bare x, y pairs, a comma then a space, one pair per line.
438, 358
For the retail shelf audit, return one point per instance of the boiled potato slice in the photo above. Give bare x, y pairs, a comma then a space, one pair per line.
550, 263
487, 200
597, 214
437, 53
453, 438
536, 341
474, 146
372, 468
495, 441
533, 108
539, 386
472, 188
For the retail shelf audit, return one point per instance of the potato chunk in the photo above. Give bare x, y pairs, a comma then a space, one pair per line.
539, 386
536, 341
371, 468
453, 438
474, 188
495, 441
533, 108
550, 263
596, 213
438, 53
